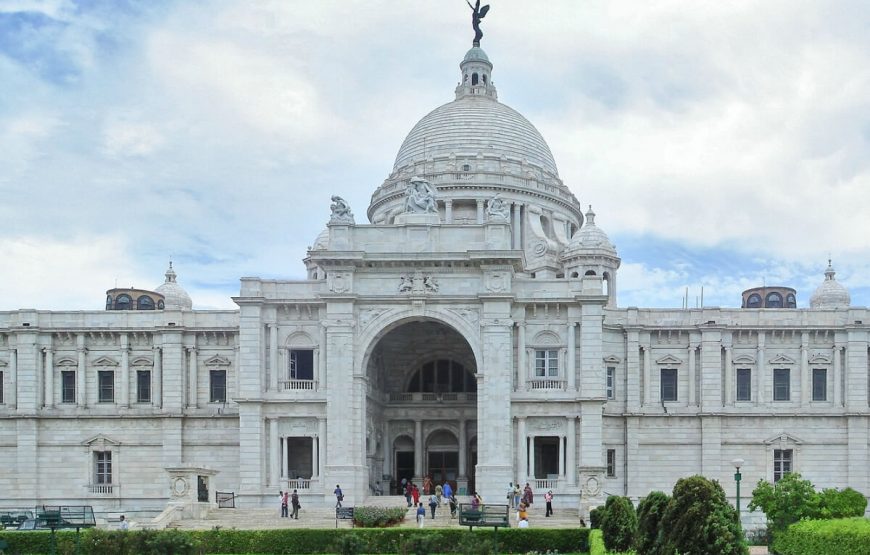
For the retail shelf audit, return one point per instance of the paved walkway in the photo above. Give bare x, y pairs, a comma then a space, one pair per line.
324, 517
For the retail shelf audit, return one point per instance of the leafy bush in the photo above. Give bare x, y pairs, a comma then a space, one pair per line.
650, 511
596, 515
349, 544
789, 500
850, 536
699, 520
842, 503
620, 523
368, 540
596, 542
378, 517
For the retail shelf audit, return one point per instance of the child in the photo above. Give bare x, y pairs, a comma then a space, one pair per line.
421, 515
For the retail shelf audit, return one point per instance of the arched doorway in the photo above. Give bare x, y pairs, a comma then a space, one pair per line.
422, 399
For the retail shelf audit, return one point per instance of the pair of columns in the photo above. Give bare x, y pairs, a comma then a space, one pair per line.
419, 452
567, 451
279, 463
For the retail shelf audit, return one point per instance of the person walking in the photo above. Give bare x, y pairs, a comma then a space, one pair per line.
516, 494
510, 495
433, 504
415, 493
439, 493
123, 524
294, 501
427, 485
285, 499
409, 492
528, 496
452, 501
339, 496
548, 499
421, 515
447, 490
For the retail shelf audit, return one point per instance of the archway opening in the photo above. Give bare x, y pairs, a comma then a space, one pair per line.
422, 401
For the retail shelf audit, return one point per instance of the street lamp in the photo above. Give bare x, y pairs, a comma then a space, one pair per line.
737, 476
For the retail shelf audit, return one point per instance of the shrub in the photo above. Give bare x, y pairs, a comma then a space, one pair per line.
789, 500
378, 517
596, 515
349, 544
596, 542
849, 536
620, 524
842, 503
699, 520
650, 511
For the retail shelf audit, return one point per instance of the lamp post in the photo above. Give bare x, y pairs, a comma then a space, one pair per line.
737, 476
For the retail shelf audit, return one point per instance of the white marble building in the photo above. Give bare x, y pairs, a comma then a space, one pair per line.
468, 336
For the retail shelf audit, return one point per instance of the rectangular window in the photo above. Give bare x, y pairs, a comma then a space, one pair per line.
744, 384
820, 384
143, 386
67, 386
782, 463
781, 384
301, 364
546, 363
103, 467
610, 385
669, 384
611, 463
218, 386
106, 386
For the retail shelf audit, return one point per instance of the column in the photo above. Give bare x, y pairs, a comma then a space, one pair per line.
463, 450
838, 375
321, 369
521, 356
760, 365
517, 227
49, 377
313, 458
531, 457
729, 377
572, 451
274, 451
273, 356
286, 364
388, 451
13, 378
448, 211
806, 381
418, 450
647, 387
321, 444
191, 377
157, 379
285, 458
480, 211
572, 358
522, 452
693, 354
125, 370
633, 393
562, 456
237, 363
82, 372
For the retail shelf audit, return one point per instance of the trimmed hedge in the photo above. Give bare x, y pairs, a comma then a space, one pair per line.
847, 536
366, 540
596, 543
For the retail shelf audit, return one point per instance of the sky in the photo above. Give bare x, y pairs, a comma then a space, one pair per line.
723, 145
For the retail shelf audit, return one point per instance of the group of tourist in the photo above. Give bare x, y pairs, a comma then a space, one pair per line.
288, 500
438, 494
522, 499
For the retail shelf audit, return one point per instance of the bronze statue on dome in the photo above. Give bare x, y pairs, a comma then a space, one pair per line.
477, 13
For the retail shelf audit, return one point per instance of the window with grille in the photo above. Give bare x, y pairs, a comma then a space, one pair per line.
106, 386
143, 386
820, 384
218, 386
68, 386
669, 384
781, 384
103, 467
610, 385
301, 364
744, 384
783, 460
611, 463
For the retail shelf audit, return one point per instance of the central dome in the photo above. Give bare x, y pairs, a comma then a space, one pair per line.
472, 124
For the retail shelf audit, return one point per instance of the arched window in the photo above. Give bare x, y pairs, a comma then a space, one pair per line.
442, 376
754, 301
574, 274
160, 305
589, 273
774, 300
123, 302
484, 78
473, 79
790, 301
108, 302
145, 303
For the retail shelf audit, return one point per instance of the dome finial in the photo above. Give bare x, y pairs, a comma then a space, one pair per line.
590, 216
477, 13
170, 273
829, 271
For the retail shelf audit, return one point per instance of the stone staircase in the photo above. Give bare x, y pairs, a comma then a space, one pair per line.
323, 516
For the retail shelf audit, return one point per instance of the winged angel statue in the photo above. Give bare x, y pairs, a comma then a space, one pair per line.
477, 13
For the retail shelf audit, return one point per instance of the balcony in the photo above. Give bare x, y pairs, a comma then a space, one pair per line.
546, 484
398, 397
547, 383
103, 490
299, 484
297, 385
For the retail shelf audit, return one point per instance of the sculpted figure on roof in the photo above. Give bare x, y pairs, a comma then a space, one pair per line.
420, 197
341, 213
497, 210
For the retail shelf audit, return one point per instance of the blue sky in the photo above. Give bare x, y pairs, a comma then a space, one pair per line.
722, 145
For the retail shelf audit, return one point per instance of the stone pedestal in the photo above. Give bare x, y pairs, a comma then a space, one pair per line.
190, 487
591, 489
412, 218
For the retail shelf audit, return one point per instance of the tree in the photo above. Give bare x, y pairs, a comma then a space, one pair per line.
619, 524
787, 501
842, 503
650, 511
699, 520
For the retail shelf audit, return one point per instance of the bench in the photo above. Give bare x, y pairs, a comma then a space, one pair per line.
495, 516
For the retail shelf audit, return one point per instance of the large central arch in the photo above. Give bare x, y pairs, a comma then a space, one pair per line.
421, 402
